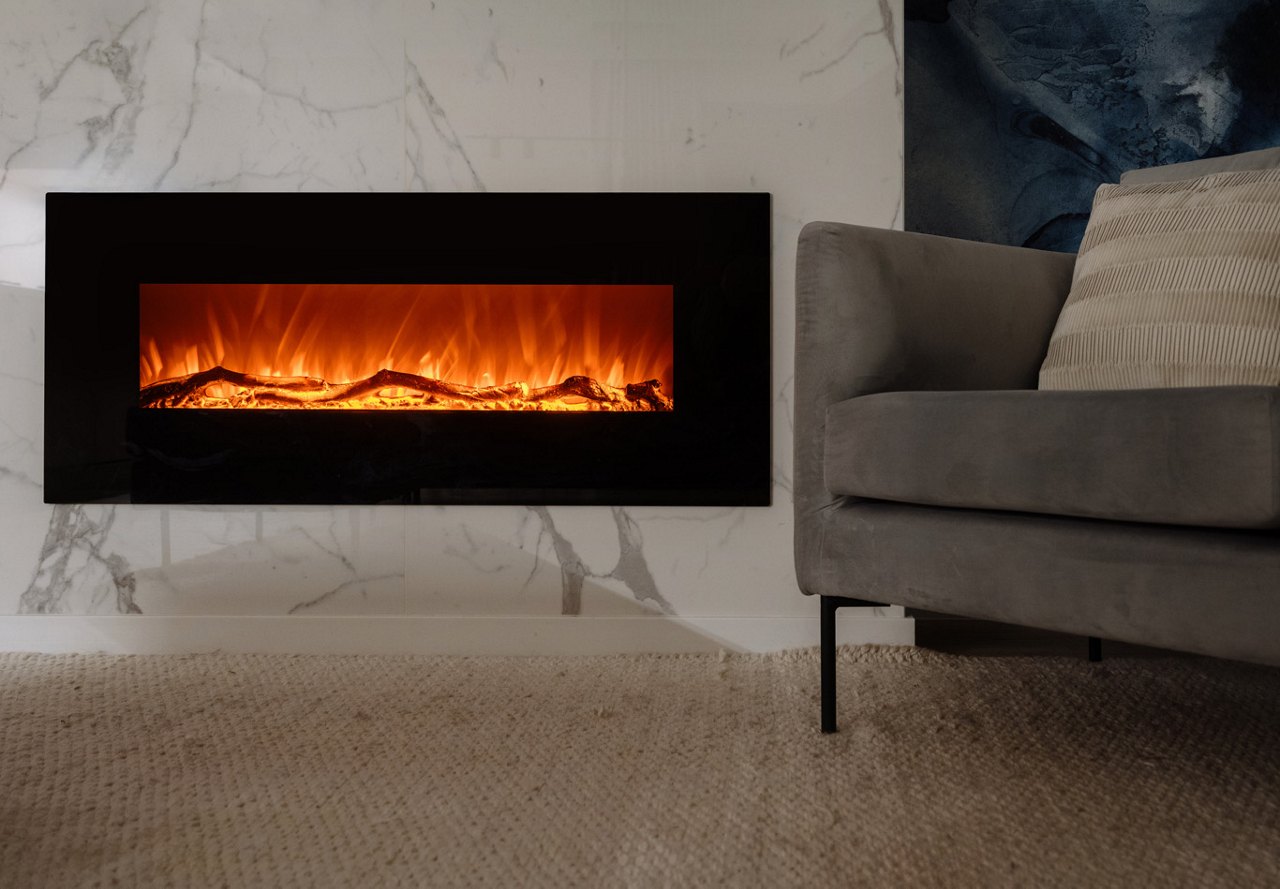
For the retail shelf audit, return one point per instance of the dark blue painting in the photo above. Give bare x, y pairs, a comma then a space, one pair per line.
1016, 110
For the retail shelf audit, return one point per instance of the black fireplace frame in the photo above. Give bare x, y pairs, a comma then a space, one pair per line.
713, 449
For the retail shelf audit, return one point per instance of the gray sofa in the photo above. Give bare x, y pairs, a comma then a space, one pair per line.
930, 472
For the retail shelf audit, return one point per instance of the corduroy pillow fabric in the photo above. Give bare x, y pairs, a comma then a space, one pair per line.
1176, 284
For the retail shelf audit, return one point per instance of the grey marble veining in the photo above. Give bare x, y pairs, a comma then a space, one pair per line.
785, 408
890, 34
883, 30
436, 157
894, 38
194, 94
358, 581
114, 57
572, 569
20, 419
631, 567
76, 571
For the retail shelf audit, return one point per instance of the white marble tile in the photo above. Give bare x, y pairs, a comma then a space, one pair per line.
22, 392
312, 92
94, 98
193, 532
718, 562
121, 559
89, 559
193, 94
608, 94
23, 514
802, 100
479, 560
506, 89
528, 560
277, 561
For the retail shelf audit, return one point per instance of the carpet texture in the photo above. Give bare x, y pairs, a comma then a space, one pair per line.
232, 770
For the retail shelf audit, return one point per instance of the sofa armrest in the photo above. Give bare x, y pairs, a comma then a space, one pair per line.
881, 311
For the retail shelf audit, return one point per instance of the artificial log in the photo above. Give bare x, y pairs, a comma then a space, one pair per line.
304, 392
649, 392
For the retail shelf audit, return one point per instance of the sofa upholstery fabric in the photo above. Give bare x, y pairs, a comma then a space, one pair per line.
1201, 590
1205, 456
892, 312
880, 311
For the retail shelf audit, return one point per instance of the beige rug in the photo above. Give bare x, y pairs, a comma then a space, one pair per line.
273, 771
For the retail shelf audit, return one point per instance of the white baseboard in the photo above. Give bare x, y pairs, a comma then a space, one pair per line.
516, 635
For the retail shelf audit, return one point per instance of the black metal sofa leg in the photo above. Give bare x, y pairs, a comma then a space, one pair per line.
829, 607
1095, 648
828, 622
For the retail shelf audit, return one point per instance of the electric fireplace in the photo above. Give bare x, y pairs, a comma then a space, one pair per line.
395, 348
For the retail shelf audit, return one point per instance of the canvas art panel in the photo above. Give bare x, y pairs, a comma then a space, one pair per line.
1016, 111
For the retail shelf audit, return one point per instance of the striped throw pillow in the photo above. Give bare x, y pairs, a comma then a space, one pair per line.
1176, 284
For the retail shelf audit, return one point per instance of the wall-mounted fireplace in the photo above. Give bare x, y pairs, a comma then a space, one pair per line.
443, 348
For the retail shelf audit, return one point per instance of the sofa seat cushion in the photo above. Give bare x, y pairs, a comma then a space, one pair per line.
1199, 456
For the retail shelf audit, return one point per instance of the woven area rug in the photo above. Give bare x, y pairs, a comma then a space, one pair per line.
227, 770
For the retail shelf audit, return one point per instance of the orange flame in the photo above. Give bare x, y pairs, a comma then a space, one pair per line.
467, 334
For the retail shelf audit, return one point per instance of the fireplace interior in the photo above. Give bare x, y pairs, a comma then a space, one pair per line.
406, 346
478, 348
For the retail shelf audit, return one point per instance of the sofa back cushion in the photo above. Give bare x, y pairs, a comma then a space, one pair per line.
1264, 159
1177, 284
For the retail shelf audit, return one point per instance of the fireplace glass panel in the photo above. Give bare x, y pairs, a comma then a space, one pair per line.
408, 348
545, 347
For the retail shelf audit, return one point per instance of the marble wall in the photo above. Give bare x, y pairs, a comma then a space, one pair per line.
800, 99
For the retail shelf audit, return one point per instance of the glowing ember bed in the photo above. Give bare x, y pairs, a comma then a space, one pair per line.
478, 348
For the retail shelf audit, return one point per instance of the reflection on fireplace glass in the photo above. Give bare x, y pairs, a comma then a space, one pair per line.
503, 347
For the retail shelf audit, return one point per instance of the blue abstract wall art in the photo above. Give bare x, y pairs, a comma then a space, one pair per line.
1016, 110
